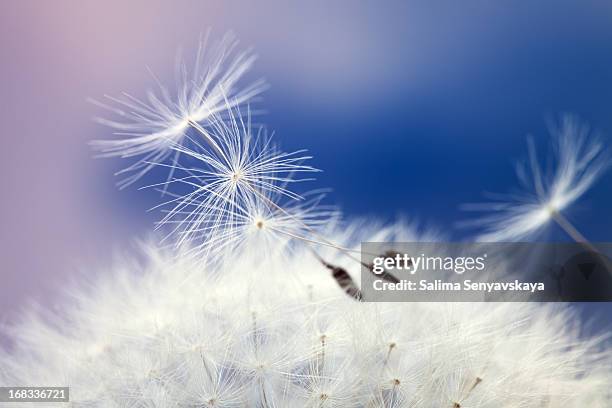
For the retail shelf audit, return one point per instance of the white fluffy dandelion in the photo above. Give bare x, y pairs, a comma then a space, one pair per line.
168, 337
148, 129
579, 160
262, 327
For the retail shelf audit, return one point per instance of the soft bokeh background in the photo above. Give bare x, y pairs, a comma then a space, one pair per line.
411, 108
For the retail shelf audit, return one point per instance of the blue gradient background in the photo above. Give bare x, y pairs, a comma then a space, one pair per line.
410, 108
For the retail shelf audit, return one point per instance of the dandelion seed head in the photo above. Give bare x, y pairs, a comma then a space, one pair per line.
262, 344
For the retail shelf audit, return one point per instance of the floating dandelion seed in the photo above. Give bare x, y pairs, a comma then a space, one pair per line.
235, 185
149, 129
579, 161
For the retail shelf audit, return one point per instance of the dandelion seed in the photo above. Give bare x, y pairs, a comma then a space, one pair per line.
149, 129
344, 281
234, 190
579, 161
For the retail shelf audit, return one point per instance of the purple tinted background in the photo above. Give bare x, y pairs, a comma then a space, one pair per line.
411, 108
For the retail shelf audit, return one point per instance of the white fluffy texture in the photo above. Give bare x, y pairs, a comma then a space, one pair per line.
579, 160
280, 333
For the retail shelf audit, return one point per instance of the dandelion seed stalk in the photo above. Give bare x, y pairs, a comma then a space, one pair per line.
569, 228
